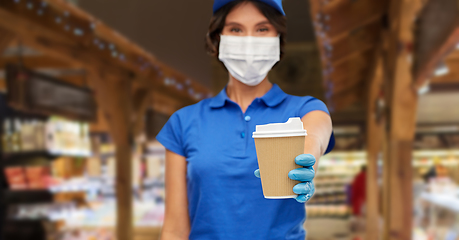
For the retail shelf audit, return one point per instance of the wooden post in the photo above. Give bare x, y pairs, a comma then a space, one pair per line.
114, 97
6, 37
374, 147
401, 97
141, 100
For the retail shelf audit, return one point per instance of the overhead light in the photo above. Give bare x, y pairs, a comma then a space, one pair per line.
425, 88
441, 70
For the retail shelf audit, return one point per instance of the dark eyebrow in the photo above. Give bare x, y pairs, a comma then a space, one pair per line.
233, 23
237, 24
264, 22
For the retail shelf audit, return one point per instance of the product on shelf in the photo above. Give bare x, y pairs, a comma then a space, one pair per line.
57, 135
93, 167
65, 137
38, 177
16, 178
154, 167
44, 211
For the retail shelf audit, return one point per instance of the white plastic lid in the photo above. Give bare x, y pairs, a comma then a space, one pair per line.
292, 128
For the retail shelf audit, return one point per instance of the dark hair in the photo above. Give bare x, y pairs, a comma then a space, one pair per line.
217, 22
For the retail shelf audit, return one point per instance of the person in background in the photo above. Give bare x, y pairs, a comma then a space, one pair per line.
359, 191
358, 196
211, 190
436, 171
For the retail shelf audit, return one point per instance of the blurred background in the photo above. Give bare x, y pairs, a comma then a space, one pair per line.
87, 84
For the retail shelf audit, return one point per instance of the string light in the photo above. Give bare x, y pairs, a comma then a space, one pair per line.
166, 81
115, 54
318, 16
78, 32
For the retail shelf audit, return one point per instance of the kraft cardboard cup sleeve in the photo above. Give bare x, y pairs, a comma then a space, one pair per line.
277, 145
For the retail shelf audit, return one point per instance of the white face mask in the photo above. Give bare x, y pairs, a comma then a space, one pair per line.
249, 59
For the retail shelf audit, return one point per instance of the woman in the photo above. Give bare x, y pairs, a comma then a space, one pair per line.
211, 191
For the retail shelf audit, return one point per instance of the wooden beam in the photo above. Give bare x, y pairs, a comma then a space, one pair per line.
374, 140
350, 73
350, 15
83, 45
444, 87
345, 85
54, 44
352, 67
342, 100
77, 80
401, 99
333, 5
454, 55
43, 61
140, 103
101, 124
451, 77
452, 62
437, 34
354, 42
6, 37
164, 104
114, 100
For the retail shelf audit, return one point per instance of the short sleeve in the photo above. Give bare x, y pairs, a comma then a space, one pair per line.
313, 104
171, 135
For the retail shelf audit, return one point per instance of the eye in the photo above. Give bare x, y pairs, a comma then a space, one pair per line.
236, 30
263, 29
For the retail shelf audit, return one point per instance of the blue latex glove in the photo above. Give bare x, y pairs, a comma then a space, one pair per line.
305, 189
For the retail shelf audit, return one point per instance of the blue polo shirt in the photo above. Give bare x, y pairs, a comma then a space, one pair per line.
225, 199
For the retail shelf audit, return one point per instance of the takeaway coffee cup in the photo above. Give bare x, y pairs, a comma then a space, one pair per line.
277, 145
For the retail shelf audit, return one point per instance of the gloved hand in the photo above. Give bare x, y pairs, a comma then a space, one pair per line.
305, 189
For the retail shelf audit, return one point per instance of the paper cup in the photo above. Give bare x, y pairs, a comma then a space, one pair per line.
277, 146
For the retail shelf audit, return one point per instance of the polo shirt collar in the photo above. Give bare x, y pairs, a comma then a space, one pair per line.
272, 98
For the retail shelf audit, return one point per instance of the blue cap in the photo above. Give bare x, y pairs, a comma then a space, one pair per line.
277, 4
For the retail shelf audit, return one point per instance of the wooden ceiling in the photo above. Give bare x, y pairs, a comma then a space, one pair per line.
55, 37
349, 34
